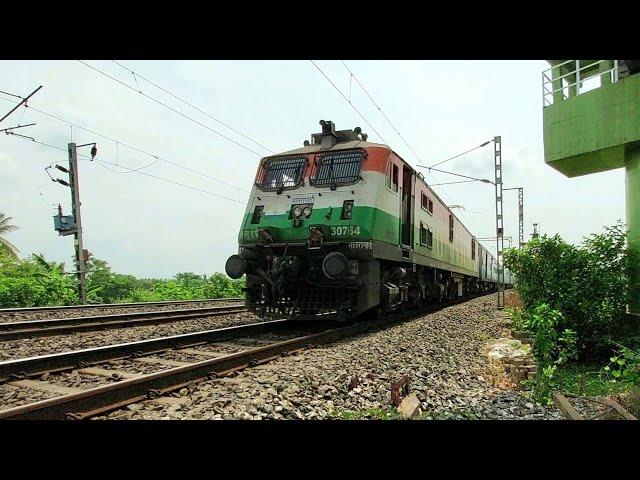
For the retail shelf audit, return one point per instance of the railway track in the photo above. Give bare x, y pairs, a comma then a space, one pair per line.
63, 308
39, 328
203, 354
181, 359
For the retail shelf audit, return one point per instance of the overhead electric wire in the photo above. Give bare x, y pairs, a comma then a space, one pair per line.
136, 74
170, 108
11, 94
348, 101
460, 154
173, 182
429, 173
137, 149
451, 183
87, 157
380, 110
388, 120
483, 180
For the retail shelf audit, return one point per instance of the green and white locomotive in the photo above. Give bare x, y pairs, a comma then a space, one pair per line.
344, 226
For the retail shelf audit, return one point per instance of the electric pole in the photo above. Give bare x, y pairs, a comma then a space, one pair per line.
520, 214
536, 232
67, 225
81, 266
497, 156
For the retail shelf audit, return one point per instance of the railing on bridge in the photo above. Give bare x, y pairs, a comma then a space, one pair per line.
574, 77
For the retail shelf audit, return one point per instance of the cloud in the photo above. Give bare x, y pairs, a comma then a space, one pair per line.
148, 227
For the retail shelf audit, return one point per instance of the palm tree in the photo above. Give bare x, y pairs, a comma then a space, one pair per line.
6, 227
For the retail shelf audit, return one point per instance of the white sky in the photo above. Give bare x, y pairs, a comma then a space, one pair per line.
147, 227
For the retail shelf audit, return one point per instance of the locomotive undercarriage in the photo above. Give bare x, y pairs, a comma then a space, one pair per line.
293, 281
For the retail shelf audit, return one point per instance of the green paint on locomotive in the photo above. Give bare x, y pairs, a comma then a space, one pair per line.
366, 223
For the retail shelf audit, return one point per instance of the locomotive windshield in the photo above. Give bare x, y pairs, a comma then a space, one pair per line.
337, 168
281, 173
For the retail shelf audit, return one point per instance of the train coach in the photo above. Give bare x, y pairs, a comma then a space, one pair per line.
344, 226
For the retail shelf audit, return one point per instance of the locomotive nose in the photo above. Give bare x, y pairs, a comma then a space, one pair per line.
236, 266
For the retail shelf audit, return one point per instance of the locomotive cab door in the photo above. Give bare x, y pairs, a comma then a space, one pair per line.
406, 217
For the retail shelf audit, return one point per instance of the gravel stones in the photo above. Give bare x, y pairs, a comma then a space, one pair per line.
441, 353
28, 347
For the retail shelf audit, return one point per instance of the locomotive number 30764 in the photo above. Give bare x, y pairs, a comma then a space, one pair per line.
345, 231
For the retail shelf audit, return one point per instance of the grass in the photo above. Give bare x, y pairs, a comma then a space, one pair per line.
392, 414
584, 380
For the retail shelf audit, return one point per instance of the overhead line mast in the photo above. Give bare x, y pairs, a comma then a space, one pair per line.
67, 225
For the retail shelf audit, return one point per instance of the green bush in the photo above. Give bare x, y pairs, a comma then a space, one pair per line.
186, 286
624, 366
586, 284
34, 282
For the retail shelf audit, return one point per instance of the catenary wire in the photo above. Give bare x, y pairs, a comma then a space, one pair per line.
137, 75
86, 157
170, 108
131, 147
348, 101
353, 75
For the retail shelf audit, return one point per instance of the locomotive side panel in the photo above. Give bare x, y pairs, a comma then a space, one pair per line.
432, 214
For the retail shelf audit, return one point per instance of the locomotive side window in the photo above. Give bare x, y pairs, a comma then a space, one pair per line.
392, 176
426, 236
281, 173
427, 204
337, 168
451, 228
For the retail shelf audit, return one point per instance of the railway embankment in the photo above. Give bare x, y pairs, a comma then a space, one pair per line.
442, 354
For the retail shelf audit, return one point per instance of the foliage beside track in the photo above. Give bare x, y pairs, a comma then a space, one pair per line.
35, 282
574, 306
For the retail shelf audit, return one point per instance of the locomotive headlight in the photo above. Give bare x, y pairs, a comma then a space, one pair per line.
236, 266
347, 210
297, 211
335, 265
307, 211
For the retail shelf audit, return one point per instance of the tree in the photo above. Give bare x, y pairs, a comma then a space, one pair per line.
6, 227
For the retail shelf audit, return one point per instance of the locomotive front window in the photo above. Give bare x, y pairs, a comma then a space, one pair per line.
337, 168
281, 173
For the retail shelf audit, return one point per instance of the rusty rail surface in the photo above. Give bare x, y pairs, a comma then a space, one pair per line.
40, 328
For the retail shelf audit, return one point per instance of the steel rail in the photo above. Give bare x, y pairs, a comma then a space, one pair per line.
47, 327
33, 366
105, 398
98, 400
113, 305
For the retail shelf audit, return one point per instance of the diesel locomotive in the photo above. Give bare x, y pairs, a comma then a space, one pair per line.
343, 226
